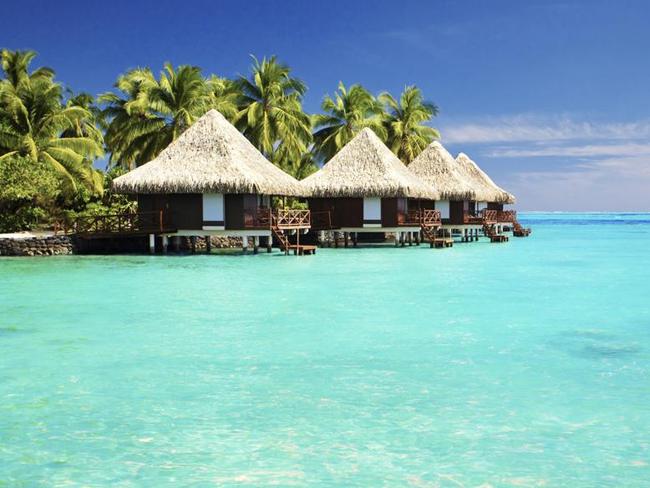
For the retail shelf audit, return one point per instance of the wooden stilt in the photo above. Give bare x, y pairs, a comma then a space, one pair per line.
397, 237
410, 234
152, 243
208, 244
164, 244
244, 244
193, 244
298, 242
345, 239
269, 244
256, 244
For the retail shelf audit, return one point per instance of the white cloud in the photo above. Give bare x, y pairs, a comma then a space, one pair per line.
580, 151
614, 184
563, 163
534, 128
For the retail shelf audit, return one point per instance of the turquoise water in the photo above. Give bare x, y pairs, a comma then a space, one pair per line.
518, 364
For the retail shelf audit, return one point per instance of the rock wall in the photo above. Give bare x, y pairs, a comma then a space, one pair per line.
216, 241
36, 246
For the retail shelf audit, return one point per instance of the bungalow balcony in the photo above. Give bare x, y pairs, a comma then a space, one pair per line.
507, 216
485, 216
422, 218
267, 218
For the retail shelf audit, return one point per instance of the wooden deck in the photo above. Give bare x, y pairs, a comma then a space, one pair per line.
499, 238
440, 242
302, 249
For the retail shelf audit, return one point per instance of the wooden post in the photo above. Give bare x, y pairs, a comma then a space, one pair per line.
164, 244
244, 244
208, 244
396, 239
193, 244
417, 238
256, 244
269, 243
152, 243
355, 238
297, 242
345, 239
410, 234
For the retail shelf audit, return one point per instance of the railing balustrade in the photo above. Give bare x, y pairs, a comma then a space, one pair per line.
154, 221
264, 218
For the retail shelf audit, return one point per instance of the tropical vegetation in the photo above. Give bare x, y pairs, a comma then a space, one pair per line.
52, 139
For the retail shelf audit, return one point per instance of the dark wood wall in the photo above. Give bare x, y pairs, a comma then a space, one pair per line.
495, 206
456, 211
344, 212
236, 206
180, 210
185, 210
393, 211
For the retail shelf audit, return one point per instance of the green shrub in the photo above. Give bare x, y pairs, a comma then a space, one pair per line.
28, 194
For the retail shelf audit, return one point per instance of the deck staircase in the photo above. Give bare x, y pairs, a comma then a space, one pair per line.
519, 230
430, 222
293, 221
489, 230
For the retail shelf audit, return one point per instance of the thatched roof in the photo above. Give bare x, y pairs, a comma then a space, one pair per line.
210, 156
487, 190
436, 167
365, 167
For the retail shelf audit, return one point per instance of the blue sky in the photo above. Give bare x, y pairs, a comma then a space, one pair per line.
552, 98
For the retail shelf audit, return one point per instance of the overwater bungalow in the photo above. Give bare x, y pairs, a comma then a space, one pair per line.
212, 181
365, 188
491, 200
438, 169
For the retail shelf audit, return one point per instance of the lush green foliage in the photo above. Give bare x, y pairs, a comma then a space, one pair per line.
28, 193
407, 136
49, 137
271, 114
36, 124
345, 115
150, 113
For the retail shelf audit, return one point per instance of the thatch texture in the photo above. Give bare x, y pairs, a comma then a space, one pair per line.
487, 190
365, 167
436, 167
210, 156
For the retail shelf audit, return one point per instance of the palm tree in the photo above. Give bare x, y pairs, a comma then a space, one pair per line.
91, 126
226, 96
34, 124
151, 113
15, 66
404, 122
271, 114
345, 115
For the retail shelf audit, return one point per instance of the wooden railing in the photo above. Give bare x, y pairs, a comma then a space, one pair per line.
507, 216
489, 215
430, 218
485, 215
286, 218
265, 218
472, 219
423, 218
156, 221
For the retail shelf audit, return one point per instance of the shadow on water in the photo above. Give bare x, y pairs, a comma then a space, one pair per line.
593, 344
